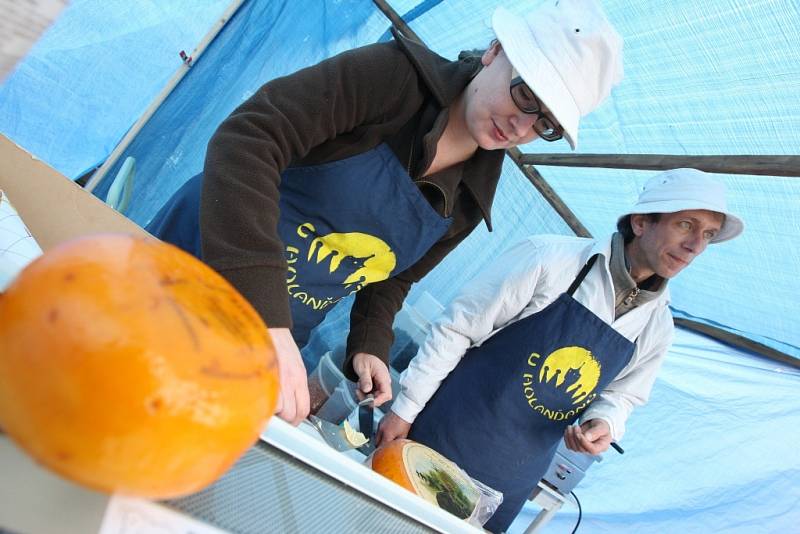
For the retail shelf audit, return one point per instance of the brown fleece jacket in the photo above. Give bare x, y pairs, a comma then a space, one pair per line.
396, 93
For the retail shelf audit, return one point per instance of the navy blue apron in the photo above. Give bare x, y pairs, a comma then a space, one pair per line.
345, 224
502, 411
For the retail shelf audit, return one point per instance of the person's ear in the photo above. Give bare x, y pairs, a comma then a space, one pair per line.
638, 222
491, 53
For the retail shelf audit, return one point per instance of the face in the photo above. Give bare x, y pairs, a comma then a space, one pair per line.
491, 117
667, 246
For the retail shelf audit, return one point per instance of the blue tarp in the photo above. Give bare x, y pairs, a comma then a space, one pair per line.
711, 452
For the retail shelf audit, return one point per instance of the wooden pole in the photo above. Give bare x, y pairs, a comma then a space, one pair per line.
758, 165
397, 20
738, 341
549, 194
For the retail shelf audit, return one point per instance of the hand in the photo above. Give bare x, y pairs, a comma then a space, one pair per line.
392, 427
592, 437
373, 377
293, 401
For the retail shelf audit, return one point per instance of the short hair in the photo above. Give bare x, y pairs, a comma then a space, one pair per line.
624, 224
476, 54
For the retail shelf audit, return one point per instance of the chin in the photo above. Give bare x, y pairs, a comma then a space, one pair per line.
666, 272
490, 144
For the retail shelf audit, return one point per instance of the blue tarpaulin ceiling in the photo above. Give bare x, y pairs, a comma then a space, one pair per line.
713, 451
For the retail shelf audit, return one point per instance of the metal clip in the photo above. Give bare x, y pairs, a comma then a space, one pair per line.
186, 58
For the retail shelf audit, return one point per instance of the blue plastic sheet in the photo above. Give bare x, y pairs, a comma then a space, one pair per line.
714, 451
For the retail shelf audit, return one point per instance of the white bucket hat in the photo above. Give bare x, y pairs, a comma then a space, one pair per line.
568, 54
687, 189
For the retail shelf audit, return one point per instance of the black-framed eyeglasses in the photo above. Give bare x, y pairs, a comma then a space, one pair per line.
527, 102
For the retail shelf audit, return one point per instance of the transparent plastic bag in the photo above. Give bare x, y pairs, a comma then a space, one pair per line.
490, 500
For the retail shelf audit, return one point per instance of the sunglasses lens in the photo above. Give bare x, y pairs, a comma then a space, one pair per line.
527, 102
546, 129
524, 98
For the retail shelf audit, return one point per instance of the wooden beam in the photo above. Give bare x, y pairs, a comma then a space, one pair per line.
397, 20
549, 194
758, 165
738, 341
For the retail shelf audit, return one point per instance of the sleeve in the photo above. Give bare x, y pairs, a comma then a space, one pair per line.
487, 303
376, 306
632, 387
281, 123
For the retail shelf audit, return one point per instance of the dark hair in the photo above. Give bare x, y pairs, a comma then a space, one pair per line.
472, 55
624, 225
475, 54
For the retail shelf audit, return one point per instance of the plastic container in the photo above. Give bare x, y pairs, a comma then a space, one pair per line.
322, 381
395, 376
411, 327
340, 403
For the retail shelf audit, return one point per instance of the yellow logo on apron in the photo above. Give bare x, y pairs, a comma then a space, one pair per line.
351, 259
571, 371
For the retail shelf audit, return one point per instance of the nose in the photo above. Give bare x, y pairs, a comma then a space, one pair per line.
522, 124
695, 243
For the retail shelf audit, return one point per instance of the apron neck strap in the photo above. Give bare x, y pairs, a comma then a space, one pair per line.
581, 275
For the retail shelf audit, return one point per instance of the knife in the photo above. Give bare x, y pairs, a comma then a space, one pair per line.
366, 422
332, 434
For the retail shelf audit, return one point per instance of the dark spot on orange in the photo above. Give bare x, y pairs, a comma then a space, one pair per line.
52, 316
156, 404
214, 370
69, 277
170, 281
63, 456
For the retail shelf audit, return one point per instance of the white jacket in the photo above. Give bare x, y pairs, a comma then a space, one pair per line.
521, 282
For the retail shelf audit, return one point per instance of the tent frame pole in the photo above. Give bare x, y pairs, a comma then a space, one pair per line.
788, 166
188, 62
397, 21
737, 341
548, 193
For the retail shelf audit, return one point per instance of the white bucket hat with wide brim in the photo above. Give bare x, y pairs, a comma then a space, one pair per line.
568, 54
687, 189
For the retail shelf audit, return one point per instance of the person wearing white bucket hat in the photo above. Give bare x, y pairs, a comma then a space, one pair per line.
361, 173
567, 53
683, 199
558, 329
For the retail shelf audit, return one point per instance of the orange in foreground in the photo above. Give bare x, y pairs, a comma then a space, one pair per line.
127, 365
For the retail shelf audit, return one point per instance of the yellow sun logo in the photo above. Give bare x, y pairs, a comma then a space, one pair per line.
573, 368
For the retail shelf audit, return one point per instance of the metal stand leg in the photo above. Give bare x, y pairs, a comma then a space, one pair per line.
551, 502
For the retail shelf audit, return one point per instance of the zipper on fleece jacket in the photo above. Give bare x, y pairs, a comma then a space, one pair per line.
632, 295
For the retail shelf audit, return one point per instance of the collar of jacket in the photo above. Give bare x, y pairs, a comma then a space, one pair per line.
446, 80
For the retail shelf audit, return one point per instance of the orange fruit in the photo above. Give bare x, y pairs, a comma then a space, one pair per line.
129, 366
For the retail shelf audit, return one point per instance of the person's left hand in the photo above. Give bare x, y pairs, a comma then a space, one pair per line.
391, 427
373, 377
592, 437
